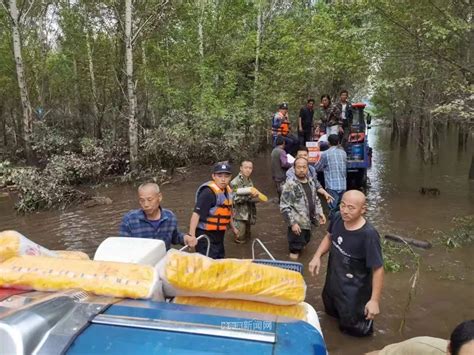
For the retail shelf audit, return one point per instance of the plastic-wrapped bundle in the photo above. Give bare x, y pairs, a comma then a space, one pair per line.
186, 274
13, 244
72, 254
297, 311
100, 277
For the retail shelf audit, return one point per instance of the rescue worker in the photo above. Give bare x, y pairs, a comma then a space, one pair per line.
301, 208
212, 213
354, 276
244, 203
152, 221
281, 127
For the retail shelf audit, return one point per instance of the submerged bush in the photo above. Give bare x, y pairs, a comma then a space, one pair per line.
461, 234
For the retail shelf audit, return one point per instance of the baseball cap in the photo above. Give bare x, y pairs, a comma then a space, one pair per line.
283, 105
222, 167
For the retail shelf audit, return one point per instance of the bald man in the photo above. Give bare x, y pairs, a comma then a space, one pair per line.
354, 276
153, 221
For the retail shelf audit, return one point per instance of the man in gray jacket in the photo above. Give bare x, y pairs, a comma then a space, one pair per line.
301, 207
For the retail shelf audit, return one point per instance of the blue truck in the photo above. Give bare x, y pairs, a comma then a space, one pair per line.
359, 152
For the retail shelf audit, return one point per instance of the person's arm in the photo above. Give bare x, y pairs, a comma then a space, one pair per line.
326, 195
321, 164
204, 202
276, 122
238, 195
125, 230
323, 248
178, 237
319, 210
372, 307
300, 124
284, 160
285, 204
193, 224
233, 227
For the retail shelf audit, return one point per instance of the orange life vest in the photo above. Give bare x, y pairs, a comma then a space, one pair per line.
284, 127
219, 215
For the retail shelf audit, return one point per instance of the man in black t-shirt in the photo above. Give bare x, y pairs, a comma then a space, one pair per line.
354, 277
305, 122
213, 212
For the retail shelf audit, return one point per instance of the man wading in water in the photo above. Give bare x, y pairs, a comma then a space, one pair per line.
354, 276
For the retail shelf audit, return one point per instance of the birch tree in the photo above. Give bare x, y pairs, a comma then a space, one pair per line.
16, 21
132, 99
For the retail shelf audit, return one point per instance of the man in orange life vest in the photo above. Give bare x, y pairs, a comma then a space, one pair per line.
213, 212
281, 127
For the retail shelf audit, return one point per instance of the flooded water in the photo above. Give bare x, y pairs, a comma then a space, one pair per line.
445, 289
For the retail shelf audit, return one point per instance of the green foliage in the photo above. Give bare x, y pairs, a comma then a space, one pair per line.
42, 189
6, 171
184, 139
460, 235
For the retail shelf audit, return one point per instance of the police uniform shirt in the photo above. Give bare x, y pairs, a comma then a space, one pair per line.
363, 243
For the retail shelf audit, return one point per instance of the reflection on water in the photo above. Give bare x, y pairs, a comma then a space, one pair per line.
394, 200
394, 205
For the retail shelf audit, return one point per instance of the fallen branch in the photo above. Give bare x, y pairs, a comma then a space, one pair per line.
424, 244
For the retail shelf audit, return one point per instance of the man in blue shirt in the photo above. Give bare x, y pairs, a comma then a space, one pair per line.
333, 163
152, 221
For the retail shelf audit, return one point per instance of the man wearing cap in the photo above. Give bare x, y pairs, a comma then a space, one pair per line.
153, 221
281, 127
213, 212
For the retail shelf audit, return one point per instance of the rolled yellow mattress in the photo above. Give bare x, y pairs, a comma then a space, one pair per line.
72, 254
13, 244
297, 311
99, 277
185, 274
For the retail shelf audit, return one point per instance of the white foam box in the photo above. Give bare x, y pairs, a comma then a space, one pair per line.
131, 250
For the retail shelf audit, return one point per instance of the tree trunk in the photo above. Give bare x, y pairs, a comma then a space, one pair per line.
4, 127
200, 29
257, 53
77, 92
95, 108
132, 120
27, 123
471, 171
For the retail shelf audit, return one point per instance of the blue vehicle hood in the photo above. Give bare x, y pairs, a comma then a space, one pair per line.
146, 327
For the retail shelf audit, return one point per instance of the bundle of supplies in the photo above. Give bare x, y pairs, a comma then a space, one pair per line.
297, 311
99, 277
186, 274
13, 244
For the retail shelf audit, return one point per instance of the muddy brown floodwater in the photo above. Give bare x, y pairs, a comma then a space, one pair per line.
445, 291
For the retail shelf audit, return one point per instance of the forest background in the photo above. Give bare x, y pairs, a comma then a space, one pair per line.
92, 89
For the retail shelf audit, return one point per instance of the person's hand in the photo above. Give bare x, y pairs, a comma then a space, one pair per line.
371, 309
296, 229
254, 193
314, 265
322, 218
235, 231
190, 240
328, 197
